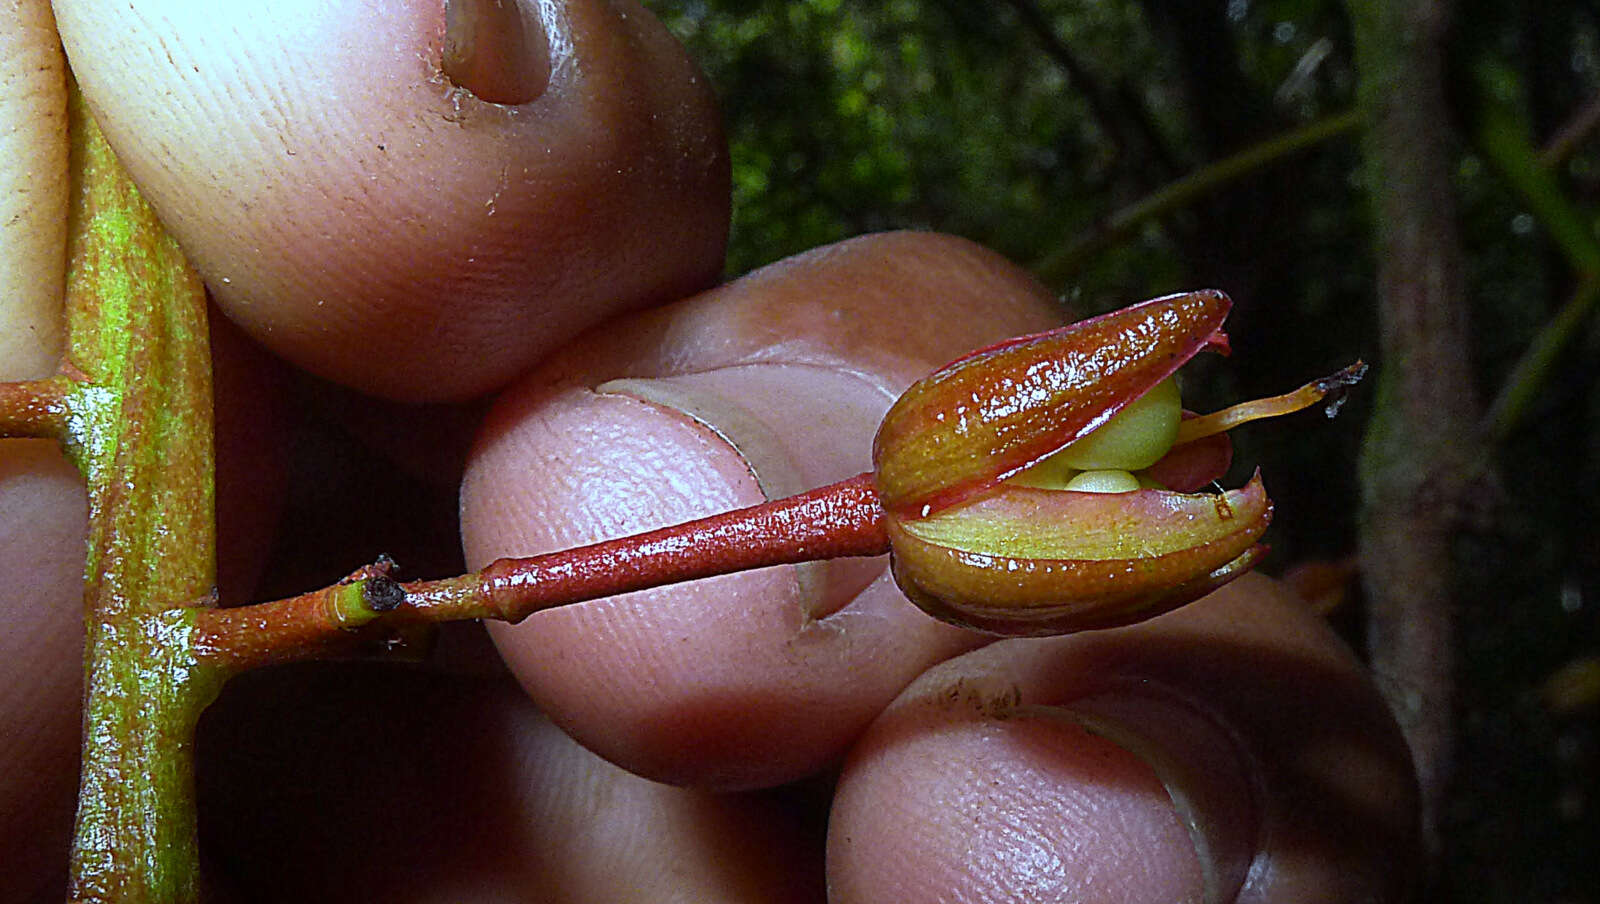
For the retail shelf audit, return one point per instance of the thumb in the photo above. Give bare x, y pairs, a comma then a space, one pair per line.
421, 198
772, 384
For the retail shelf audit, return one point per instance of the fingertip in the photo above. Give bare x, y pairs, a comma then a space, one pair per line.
762, 387
375, 223
720, 682
952, 796
1270, 754
33, 191
562, 465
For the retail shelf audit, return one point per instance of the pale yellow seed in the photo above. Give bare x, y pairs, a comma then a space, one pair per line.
1107, 480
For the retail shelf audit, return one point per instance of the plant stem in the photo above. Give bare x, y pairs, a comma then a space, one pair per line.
1534, 369
1417, 459
36, 408
138, 425
1504, 139
1572, 134
842, 519
1058, 267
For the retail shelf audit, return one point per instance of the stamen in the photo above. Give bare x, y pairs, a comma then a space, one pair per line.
1331, 388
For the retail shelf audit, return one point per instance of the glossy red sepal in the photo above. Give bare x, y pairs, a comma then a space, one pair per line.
1025, 561
993, 413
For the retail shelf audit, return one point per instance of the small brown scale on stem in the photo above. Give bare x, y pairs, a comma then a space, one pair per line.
383, 594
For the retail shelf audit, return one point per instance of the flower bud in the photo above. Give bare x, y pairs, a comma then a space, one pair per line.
1022, 484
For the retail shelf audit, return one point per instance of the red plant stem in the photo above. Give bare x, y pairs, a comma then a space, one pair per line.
36, 408
835, 521
318, 624
842, 519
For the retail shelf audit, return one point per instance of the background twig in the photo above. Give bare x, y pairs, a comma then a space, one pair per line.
1417, 454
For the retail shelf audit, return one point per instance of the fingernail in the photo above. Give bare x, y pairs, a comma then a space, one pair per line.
796, 427
496, 49
1202, 766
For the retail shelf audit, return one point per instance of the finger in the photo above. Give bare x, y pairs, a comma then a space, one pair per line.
355, 205
764, 387
42, 507
346, 782
1229, 751
33, 191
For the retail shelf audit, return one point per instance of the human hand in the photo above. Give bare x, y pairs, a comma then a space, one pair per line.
977, 783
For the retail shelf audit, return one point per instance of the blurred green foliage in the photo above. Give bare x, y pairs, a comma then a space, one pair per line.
850, 117
1025, 124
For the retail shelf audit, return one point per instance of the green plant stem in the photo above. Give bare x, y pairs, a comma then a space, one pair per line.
1057, 268
1533, 370
138, 425
1504, 138
1572, 134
